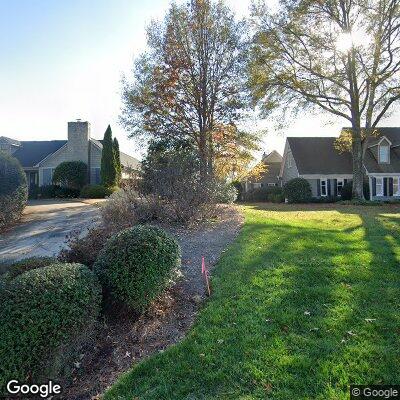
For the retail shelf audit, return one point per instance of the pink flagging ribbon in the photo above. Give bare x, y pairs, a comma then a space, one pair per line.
205, 273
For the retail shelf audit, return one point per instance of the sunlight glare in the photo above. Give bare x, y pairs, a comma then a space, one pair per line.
344, 42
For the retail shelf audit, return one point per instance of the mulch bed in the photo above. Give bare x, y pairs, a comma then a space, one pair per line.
124, 339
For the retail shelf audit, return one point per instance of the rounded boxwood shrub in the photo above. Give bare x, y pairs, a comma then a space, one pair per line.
27, 264
71, 174
297, 190
96, 192
44, 314
136, 265
13, 189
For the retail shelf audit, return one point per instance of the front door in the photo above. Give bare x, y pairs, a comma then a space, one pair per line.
33, 179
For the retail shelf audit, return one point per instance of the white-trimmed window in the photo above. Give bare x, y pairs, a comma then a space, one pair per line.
339, 186
257, 185
379, 186
324, 187
396, 186
289, 160
96, 178
47, 176
384, 153
271, 184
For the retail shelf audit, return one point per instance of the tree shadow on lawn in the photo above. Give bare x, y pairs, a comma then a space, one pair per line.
298, 312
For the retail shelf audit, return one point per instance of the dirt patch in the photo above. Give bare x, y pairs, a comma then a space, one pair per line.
125, 340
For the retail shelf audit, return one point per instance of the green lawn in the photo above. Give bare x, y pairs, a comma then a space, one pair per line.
305, 302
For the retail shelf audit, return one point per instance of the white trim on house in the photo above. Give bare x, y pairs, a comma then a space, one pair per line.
383, 174
387, 146
328, 176
323, 188
94, 141
341, 181
396, 182
293, 164
382, 139
380, 184
51, 154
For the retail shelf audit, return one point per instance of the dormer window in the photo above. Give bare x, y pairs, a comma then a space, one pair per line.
383, 153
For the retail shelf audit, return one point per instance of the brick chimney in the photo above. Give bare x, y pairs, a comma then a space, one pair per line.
78, 140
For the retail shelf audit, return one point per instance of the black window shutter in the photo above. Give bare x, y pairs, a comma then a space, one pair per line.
335, 187
318, 187
344, 181
373, 186
385, 192
329, 187
390, 186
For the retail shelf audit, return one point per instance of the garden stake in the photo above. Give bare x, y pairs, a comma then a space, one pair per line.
205, 273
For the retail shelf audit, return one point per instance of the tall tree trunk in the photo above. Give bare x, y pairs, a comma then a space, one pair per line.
210, 164
358, 173
203, 154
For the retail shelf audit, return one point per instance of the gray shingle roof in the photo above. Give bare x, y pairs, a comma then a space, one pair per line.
7, 140
392, 133
126, 160
372, 165
317, 155
32, 152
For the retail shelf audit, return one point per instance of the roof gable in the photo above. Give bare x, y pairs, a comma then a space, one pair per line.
318, 155
273, 157
31, 153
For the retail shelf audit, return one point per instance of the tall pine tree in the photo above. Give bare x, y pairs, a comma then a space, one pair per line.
117, 158
108, 170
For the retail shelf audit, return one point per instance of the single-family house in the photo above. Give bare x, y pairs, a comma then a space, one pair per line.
270, 177
327, 169
40, 158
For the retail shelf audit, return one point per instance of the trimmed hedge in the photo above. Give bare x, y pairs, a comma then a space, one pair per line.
27, 264
136, 265
13, 189
96, 192
55, 191
297, 190
45, 315
273, 194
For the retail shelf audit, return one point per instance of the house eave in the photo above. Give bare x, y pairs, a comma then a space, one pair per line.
49, 155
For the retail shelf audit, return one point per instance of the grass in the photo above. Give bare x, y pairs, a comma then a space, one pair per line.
305, 302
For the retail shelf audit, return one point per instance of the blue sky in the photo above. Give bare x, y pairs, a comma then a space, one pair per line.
63, 60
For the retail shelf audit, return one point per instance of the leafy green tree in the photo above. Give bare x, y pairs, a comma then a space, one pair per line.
108, 170
190, 79
13, 189
71, 174
338, 56
117, 157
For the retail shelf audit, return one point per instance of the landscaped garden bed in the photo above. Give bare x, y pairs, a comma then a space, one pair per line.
124, 339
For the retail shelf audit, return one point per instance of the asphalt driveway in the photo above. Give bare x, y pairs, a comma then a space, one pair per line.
44, 226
